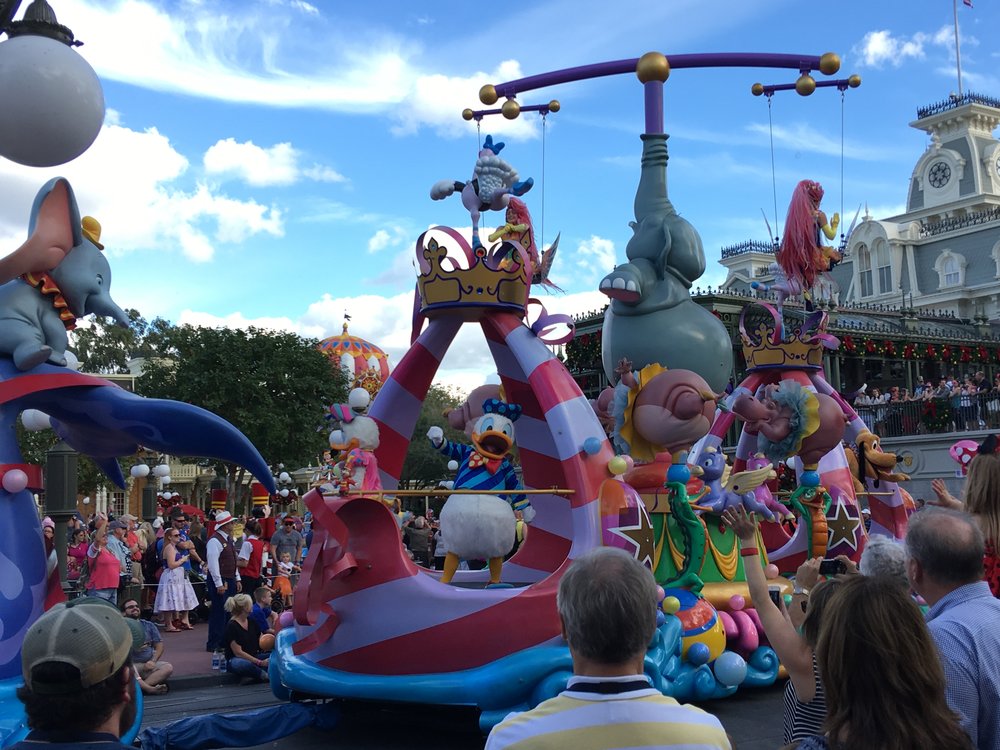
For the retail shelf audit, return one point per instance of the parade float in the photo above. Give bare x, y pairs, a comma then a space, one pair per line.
58, 275
490, 638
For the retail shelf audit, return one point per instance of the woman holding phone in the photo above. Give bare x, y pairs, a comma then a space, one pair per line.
804, 705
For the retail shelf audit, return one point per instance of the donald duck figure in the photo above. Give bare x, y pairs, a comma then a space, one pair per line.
476, 526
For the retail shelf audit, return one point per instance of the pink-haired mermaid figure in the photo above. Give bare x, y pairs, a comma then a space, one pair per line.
802, 255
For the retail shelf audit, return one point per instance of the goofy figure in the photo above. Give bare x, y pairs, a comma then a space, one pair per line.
482, 526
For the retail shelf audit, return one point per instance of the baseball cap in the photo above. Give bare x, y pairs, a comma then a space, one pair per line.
127, 517
117, 524
87, 633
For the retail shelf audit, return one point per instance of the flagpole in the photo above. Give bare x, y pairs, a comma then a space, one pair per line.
958, 51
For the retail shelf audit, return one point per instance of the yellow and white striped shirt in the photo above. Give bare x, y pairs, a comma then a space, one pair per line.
606, 713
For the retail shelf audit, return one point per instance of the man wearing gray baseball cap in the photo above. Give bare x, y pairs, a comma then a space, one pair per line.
79, 684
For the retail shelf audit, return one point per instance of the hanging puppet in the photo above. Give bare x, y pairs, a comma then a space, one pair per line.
802, 256
483, 526
357, 438
493, 182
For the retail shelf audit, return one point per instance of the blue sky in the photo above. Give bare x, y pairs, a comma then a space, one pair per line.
269, 162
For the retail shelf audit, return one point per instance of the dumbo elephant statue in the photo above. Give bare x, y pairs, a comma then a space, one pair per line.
56, 277
652, 318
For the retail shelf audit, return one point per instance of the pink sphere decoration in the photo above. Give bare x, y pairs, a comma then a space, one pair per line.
15, 480
629, 462
286, 620
660, 593
771, 571
737, 602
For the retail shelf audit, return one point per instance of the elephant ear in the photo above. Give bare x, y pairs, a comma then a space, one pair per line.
53, 230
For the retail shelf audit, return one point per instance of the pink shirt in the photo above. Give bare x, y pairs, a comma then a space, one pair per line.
104, 568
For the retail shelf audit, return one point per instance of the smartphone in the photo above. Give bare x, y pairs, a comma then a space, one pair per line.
775, 594
832, 567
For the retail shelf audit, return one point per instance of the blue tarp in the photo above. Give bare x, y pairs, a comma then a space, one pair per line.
244, 729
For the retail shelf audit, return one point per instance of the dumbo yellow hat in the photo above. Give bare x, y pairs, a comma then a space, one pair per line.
92, 231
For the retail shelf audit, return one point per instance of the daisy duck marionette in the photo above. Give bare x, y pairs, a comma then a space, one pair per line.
482, 526
357, 438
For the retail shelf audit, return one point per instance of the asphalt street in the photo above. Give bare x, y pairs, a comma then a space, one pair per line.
752, 718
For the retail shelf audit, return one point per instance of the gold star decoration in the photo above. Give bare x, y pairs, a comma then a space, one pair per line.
641, 536
843, 528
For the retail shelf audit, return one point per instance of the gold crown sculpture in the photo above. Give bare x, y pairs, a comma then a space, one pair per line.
803, 350
477, 288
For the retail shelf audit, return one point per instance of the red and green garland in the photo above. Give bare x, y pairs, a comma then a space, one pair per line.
912, 350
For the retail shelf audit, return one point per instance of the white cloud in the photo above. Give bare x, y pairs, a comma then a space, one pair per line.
437, 102
880, 47
259, 166
266, 58
247, 57
379, 241
391, 237
130, 179
593, 258
320, 173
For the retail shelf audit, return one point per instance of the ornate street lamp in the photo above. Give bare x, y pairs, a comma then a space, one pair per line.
160, 470
52, 103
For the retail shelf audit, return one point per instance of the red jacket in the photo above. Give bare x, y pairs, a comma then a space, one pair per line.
256, 561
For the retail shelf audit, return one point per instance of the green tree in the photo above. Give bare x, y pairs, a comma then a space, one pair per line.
105, 348
424, 466
273, 386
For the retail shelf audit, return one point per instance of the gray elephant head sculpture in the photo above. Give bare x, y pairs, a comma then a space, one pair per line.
651, 317
58, 275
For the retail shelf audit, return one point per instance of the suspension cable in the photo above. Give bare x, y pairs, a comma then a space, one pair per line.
774, 179
541, 224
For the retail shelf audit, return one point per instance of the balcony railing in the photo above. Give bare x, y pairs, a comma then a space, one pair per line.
960, 222
954, 102
750, 246
936, 415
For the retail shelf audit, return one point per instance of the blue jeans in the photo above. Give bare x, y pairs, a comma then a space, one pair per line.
108, 595
217, 615
244, 668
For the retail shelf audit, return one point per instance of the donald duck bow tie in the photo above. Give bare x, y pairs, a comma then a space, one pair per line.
477, 460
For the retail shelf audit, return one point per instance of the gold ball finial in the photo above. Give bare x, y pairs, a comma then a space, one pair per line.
554, 105
854, 81
653, 66
829, 63
757, 89
488, 94
468, 114
510, 109
805, 85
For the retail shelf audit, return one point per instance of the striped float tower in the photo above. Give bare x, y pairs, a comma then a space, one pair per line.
772, 358
358, 574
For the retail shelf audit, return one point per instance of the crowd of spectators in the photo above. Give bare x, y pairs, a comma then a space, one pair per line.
968, 402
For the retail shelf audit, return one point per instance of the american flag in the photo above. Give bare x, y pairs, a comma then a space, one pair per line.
968, 2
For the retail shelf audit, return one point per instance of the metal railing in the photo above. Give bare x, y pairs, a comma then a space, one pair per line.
959, 413
960, 222
954, 102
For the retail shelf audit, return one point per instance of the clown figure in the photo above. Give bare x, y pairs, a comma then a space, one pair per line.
482, 526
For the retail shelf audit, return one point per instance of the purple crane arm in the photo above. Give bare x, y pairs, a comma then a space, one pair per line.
654, 89
802, 63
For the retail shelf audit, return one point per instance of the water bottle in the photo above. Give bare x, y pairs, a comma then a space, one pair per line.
223, 666
215, 659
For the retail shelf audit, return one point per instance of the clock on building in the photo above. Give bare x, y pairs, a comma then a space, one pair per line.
998, 165
939, 174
